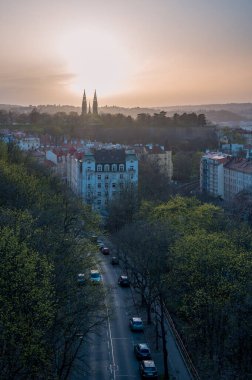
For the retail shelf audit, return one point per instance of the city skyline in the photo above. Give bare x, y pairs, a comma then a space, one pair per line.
142, 53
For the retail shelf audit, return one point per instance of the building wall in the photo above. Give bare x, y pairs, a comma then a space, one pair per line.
96, 183
234, 182
164, 161
29, 143
212, 176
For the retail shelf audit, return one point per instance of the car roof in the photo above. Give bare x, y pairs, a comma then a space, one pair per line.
143, 345
81, 274
124, 277
149, 363
93, 271
136, 319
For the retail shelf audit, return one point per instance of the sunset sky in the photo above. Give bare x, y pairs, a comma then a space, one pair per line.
133, 52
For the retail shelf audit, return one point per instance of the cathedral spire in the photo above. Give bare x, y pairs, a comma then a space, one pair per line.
95, 104
89, 108
84, 104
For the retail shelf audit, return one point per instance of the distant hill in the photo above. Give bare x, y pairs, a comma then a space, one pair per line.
214, 112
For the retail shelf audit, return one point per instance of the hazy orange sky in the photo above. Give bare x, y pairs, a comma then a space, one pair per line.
133, 52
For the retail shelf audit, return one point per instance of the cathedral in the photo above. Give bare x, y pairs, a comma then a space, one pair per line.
84, 110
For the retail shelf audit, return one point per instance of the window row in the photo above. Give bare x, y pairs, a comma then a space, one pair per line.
110, 167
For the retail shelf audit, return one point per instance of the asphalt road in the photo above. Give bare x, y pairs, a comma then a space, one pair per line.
110, 351
109, 354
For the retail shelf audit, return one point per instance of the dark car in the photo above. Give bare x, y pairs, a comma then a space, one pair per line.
136, 324
142, 351
148, 369
81, 279
105, 250
114, 260
123, 281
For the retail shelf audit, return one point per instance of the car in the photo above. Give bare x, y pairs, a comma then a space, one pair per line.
136, 324
105, 250
142, 351
81, 279
148, 369
114, 260
101, 247
95, 276
123, 281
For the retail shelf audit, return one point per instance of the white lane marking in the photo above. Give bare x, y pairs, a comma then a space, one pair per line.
112, 349
121, 338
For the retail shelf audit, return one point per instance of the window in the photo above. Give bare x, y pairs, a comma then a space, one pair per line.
121, 185
99, 201
121, 168
106, 185
106, 168
99, 176
114, 168
88, 168
132, 176
106, 177
113, 185
99, 168
99, 194
89, 177
121, 176
89, 186
99, 185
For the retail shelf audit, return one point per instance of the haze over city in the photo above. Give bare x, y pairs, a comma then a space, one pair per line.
135, 53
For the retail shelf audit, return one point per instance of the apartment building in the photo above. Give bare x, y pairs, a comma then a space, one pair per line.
98, 175
163, 158
237, 176
212, 173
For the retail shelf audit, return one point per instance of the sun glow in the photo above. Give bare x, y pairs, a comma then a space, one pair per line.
96, 59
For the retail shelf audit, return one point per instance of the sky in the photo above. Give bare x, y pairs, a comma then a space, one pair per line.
133, 52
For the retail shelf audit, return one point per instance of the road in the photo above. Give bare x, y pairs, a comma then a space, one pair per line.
110, 351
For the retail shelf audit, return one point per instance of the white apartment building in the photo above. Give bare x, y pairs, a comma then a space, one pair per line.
98, 175
212, 173
237, 177
28, 143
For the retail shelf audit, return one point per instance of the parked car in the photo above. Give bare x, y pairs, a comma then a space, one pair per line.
105, 250
81, 279
101, 246
148, 369
95, 276
123, 281
136, 324
114, 260
142, 351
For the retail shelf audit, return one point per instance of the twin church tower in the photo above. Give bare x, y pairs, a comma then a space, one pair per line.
84, 109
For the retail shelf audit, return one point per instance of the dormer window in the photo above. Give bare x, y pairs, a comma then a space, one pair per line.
121, 168
114, 168
99, 168
106, 168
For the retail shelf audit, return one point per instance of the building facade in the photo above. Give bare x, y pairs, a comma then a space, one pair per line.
212, 174
162, 157
237, 177
99, 175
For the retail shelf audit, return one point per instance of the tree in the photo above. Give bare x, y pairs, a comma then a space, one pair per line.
27, 310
